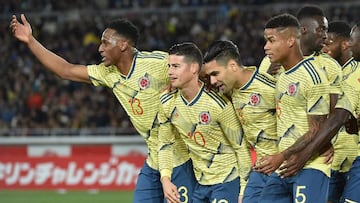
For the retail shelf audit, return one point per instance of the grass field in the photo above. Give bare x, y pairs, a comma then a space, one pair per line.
39, 196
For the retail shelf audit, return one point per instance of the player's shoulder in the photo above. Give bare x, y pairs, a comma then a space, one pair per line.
352, 62
152, 55
101, 68
217, 98
167, 95
308, 69
326, 59
264, 65
265, 78
354, 79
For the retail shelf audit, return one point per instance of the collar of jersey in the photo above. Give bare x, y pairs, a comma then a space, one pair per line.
196, 98
125, 77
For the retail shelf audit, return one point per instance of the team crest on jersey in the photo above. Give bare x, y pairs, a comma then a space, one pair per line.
291, 89
204, 117
254, 99
144, 82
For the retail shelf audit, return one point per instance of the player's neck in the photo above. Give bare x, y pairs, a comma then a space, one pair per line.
243, 77
292, 60
191, 89
345, 57
306, 50
126, 62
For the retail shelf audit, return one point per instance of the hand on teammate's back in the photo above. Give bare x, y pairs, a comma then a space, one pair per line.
269, 164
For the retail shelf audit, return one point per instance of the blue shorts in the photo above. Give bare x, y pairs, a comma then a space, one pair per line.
223, 192
184, 178
309, 185
336, 185
254, 187
149, 188
352, 187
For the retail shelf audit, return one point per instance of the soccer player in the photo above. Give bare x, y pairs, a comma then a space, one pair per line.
208, 124
337, 46
136, 79
352, 187
299, 155
253, 97
314, 26
345, 144
302, 96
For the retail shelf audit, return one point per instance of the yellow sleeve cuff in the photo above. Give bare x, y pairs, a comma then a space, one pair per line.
166, 172
242, 186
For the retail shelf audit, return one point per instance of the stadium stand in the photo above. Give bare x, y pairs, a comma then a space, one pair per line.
34, 102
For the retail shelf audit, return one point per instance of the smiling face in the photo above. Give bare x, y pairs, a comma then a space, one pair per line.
221, 76
180, 72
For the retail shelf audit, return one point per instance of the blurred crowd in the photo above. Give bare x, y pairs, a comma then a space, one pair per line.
33, 98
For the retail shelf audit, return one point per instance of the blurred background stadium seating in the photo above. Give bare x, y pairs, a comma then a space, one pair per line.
34, 102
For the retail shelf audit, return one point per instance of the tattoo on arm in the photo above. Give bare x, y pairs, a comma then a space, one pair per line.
300, 144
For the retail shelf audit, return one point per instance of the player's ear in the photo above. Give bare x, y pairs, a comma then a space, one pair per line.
291, 41
233, 65
194, 68
303, 30
344, 44
123, 44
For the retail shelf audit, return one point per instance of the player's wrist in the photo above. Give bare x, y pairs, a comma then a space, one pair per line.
165, 179
284, 155
31, 40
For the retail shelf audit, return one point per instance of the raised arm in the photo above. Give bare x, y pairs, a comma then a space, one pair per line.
56, 64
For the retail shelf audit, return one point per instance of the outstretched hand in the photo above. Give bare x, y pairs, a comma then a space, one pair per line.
22, 31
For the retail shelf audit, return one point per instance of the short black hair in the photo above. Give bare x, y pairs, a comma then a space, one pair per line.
340, 28
282, 21
191, 52
125, 28
309, 11
222, 51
